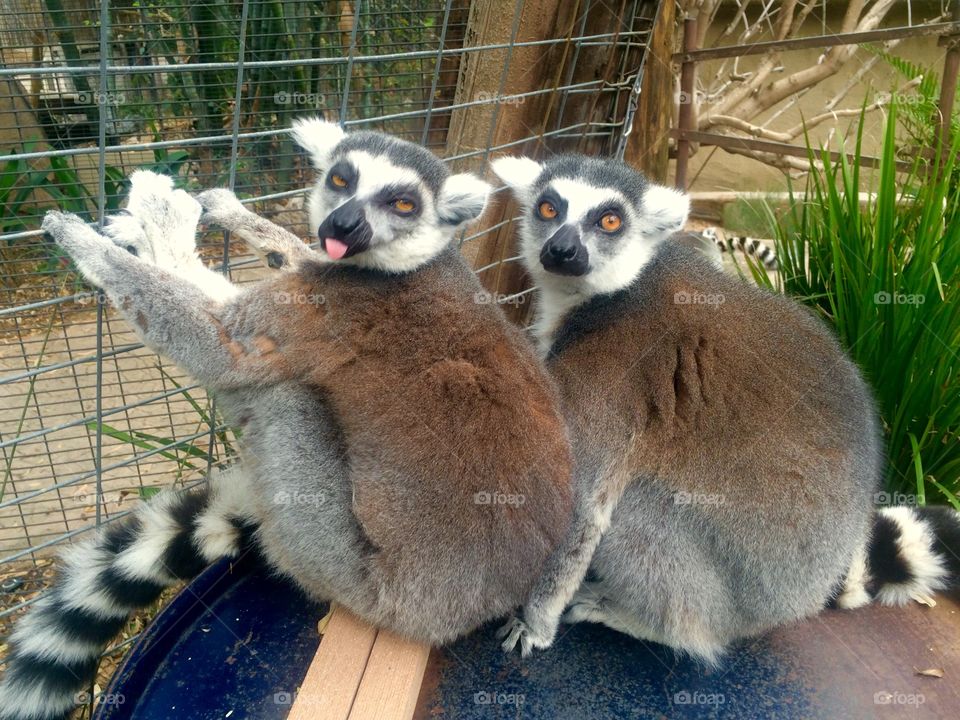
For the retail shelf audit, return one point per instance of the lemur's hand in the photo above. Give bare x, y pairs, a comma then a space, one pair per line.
159, 224
275, 246
221, 208
89, 250
530, 633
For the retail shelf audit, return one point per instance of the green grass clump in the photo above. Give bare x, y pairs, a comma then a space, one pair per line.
885, 275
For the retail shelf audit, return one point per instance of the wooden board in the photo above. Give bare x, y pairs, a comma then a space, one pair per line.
391, 683
360, 673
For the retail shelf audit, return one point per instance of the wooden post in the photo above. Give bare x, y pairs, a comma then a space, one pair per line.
648, 146
948, 89
685, 116
490, 76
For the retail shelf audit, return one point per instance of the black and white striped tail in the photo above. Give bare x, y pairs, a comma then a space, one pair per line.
55, 649
751, 246
913, 552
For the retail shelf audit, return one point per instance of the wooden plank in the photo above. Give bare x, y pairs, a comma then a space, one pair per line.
391, 683
330, 687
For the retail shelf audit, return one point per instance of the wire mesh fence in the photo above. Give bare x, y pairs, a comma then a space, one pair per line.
90, 421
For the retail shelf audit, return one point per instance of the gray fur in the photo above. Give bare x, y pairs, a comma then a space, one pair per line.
786, 443
305, 489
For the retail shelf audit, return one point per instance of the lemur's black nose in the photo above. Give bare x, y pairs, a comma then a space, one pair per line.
345, 219
564, 252
563, 245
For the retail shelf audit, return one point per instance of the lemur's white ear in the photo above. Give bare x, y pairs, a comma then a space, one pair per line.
665, 211
318, 137
462, 198
519, 173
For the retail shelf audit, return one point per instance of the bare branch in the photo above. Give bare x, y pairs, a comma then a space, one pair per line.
797, 130
783, 162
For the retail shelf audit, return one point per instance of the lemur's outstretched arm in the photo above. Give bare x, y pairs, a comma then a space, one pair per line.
275, 246
172, 315
563, 575
599, 489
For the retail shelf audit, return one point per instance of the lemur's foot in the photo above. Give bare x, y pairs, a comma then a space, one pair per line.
585, 609
87, 248
588, 604
159, 224
530, 636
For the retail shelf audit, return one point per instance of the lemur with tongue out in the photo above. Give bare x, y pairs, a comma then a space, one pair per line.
404, 450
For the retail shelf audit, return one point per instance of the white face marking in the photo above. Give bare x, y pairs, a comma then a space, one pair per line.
662, 213
582, 198
376, 172
611, 268
387, 253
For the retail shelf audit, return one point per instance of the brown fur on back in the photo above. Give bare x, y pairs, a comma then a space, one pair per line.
699, 403
458, 453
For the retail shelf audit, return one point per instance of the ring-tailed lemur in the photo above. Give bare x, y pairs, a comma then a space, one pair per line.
713, 503
404, 449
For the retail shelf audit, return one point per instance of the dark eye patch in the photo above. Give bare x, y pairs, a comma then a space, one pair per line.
388, 194
559, 204
594, 216
348, 172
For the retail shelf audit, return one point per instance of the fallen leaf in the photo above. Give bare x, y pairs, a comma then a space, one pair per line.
931, 672
324, 621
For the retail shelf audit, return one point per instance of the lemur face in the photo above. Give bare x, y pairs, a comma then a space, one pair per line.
383, 202
589, 223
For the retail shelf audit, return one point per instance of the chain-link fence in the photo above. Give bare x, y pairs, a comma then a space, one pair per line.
90, 421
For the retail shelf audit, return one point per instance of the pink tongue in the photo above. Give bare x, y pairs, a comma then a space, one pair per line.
335, 248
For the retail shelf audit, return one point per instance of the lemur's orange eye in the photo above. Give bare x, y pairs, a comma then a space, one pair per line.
338, 180
403, 206
610, 222
547, 210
